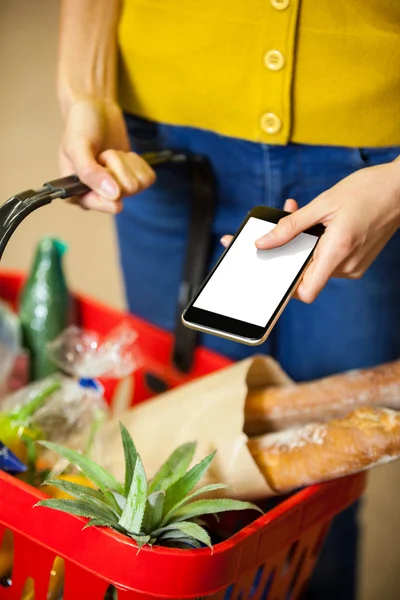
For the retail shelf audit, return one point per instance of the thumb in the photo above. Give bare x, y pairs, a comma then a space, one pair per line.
90, 172
291, 226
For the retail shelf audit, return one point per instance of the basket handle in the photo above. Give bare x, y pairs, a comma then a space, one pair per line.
17, 208
199, 238
197, 254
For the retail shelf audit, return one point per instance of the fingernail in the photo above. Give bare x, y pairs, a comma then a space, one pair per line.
108, 189
263, 241
224, 240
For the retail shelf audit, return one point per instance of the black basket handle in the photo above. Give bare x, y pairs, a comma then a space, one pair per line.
197, 255
17, 208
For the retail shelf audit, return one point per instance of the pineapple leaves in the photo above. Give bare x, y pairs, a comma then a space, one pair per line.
203, 490
183, 486
133, 513
154, 511
141, 540
81, 492
101, 523
173, 468
110, 499
177, 539
189, 530
75, 489
130, 454
119, 499
166, 511
99, 476
211, 507
82, 508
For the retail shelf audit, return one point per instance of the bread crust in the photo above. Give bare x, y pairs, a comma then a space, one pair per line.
320, 451
277, 408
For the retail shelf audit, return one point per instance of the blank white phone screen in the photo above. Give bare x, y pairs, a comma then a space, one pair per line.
249, 283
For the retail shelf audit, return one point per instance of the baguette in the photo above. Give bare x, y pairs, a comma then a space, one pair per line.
277, 408
320, 451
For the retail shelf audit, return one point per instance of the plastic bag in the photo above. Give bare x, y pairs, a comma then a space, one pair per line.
17, 430
66, 418
73, 411
86, 354
57, 409
13, 360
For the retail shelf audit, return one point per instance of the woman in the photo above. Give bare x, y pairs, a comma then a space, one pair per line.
288, 99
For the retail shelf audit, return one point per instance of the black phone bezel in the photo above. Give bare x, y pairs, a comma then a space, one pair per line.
233, 327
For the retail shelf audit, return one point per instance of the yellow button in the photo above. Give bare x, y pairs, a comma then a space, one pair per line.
274, 60
271, 123
280, 4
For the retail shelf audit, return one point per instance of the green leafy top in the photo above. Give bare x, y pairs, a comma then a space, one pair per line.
165, 510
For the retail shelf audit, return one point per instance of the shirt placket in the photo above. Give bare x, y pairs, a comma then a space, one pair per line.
275, 120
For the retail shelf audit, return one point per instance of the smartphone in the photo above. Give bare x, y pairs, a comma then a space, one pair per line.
246, 292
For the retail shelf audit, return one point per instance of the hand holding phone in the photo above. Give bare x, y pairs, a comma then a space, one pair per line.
248, 289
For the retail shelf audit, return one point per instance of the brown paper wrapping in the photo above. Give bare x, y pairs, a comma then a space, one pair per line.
209, 411
217, 411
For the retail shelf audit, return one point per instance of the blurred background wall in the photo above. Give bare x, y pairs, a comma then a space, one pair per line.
30, 129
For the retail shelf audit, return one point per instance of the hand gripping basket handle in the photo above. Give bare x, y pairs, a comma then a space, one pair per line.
18, 207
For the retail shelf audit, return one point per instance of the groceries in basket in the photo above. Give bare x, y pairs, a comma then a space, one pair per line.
46, 306
14, 365
88, 355
69, 408
166, 510
9, 462
273, 436
65, 408
312, 453
17, 428
130, 570
272, 408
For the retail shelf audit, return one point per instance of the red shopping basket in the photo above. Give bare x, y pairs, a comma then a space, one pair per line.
272, 558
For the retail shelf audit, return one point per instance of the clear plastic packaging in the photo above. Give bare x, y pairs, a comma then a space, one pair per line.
13, 360
70, 412
68, 409
86, 354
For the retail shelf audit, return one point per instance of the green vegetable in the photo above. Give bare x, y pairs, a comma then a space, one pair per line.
16, 432
163, 511
44, 305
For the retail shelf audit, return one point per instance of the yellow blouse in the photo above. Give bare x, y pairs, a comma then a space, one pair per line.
270, 71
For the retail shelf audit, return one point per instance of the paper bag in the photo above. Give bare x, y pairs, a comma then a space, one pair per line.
209, 411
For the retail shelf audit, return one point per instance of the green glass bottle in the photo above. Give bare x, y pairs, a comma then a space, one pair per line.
45, 305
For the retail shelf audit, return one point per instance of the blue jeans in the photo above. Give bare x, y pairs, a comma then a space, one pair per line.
352, 324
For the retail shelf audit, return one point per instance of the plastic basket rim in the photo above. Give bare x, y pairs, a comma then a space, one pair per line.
300, 497
232, 551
